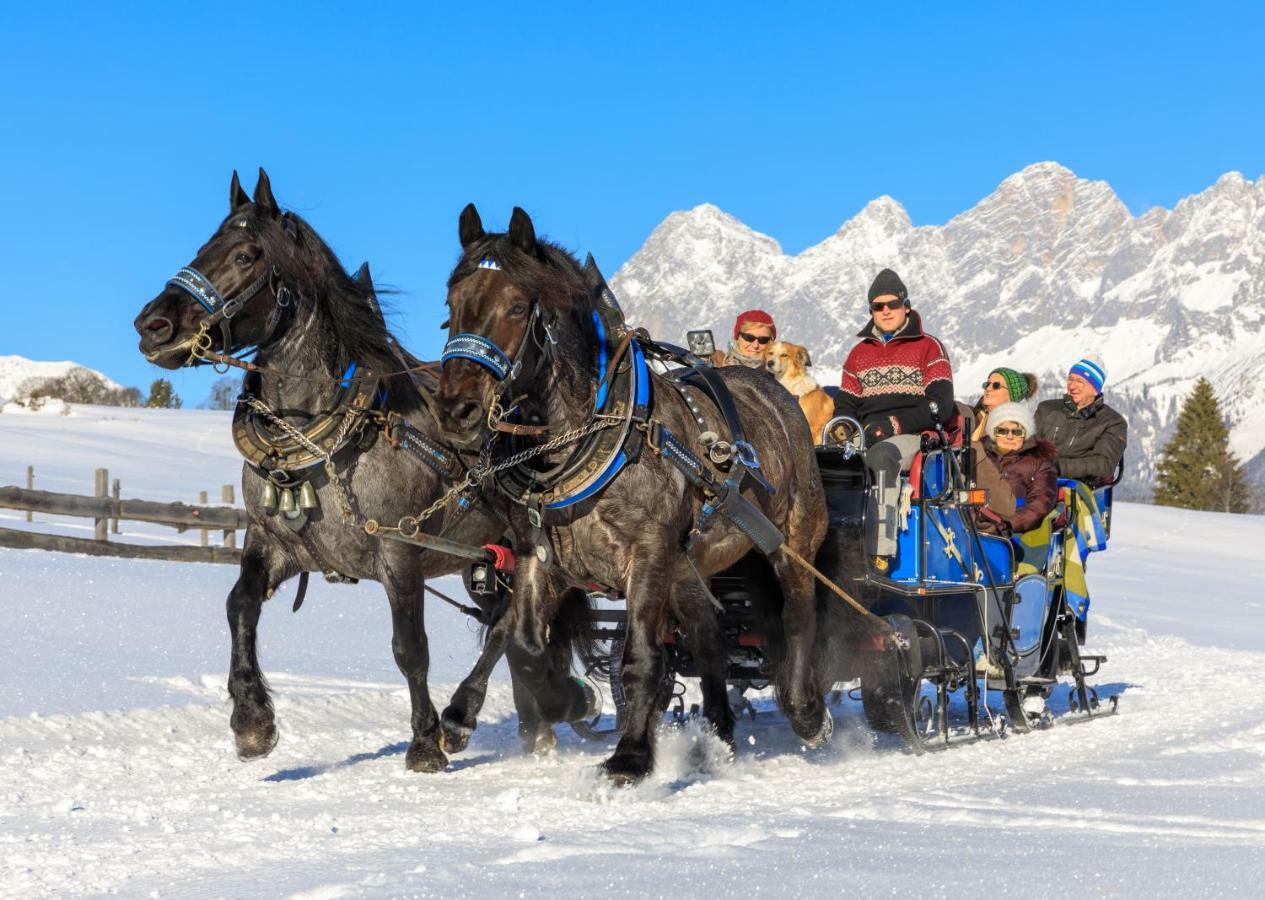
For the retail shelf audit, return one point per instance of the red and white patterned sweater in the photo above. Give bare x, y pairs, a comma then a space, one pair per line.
888, 385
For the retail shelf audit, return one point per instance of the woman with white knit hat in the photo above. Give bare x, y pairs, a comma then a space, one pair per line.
1026, 462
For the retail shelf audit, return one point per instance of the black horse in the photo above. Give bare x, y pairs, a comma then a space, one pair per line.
524, 336
323, 348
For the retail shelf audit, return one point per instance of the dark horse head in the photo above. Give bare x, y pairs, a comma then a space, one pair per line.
289, 297
517, 307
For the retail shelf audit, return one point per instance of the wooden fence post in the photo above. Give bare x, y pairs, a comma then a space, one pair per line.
103, 490
205, 537
114, 492
30, 486
227, 498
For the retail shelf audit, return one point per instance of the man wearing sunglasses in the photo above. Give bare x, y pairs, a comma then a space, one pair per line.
890, 380
753, 331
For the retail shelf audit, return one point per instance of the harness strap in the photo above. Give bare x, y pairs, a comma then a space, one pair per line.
332, 575
402, 435
301, 592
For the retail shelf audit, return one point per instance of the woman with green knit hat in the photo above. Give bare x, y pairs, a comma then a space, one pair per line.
1002, 386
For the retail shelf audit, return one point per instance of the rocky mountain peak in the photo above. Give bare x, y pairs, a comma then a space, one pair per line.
1046, 268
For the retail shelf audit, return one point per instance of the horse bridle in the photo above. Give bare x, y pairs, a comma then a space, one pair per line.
221, 311
486, 352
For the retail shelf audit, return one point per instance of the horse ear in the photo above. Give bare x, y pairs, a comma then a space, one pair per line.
522, 232
470, 226
362, 276
236, 196
594, 280
264, 201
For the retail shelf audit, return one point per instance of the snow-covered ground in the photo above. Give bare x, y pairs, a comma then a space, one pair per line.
117, 773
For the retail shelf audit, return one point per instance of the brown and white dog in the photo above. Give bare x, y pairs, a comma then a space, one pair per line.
789, 365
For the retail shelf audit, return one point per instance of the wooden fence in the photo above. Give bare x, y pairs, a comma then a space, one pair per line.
107, 509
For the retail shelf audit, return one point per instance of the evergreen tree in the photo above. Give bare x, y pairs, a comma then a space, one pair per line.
162, 396
1197, 469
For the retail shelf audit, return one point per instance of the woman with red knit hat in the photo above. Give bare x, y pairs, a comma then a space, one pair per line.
752, 333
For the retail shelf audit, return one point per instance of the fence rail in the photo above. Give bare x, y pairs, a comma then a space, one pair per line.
107, 509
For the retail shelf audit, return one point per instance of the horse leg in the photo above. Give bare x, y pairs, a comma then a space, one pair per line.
408, 642
697, 618
797, 691
253, 723
460, 718
536, 734
544, 624
644, 666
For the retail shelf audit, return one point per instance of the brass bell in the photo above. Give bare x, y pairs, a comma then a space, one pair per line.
288, 506
307, 497
269, 500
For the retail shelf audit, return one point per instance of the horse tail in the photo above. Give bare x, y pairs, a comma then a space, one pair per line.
572, 628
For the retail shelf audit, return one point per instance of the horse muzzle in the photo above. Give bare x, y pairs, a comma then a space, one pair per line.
160, 340
463, 409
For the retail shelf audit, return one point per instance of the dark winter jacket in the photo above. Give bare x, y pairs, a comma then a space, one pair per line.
888, 385
1031, 476
1090, 441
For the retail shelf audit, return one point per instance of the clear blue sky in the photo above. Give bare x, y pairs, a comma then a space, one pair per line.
122, 123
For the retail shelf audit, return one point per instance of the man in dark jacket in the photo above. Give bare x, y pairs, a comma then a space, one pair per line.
1089, 435
890, 381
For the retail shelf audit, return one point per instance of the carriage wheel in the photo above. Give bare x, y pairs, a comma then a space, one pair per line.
891, 690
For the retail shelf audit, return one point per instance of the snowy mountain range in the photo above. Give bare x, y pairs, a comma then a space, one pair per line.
1046, 269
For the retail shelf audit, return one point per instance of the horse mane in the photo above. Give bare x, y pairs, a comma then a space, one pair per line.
553, 275
310, 267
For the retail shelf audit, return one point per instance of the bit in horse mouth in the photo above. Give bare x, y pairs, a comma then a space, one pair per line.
169, 349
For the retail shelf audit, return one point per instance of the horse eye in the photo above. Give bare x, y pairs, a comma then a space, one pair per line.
518, 309
243, 259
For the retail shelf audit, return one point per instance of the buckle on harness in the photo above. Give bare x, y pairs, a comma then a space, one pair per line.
746, 454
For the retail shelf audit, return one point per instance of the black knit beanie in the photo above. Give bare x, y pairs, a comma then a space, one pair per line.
888, 282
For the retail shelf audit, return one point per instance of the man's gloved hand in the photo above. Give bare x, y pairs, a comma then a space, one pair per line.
876, 430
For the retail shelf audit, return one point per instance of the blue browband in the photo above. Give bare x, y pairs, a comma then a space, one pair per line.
199, 287
477, 348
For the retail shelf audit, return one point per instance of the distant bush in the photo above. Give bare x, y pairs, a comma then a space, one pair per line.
163, 396
78, 385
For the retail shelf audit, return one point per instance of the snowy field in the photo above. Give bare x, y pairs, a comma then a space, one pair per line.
117, 772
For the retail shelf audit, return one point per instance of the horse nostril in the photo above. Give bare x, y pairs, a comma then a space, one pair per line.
467, 414
158, 330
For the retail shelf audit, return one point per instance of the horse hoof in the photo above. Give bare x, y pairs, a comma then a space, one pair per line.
542, 743
256, 744
425, 758
822, 737
592, 702
453, 736
625, 771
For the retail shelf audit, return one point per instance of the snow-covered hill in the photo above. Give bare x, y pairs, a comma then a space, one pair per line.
1045, 269
117, 772
18, 372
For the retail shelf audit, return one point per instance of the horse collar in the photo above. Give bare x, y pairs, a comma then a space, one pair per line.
286, 461
596, 461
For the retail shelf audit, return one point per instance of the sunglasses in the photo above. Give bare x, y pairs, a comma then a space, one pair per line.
1009, 432
752, 339
886, 304
995, 385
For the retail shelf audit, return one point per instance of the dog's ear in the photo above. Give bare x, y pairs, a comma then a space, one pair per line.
804, 359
